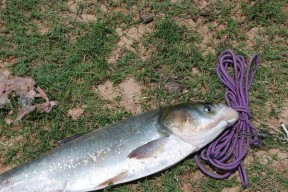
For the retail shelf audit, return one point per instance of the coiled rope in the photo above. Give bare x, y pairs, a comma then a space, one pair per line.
228, 151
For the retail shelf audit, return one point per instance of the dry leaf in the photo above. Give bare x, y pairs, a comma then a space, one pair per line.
24, 111
23, 87
8, 121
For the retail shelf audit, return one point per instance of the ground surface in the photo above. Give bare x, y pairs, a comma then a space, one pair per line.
103, 65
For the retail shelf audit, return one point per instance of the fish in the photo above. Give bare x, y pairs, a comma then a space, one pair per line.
124, 151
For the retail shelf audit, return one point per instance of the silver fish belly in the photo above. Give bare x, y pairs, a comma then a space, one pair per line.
119, 153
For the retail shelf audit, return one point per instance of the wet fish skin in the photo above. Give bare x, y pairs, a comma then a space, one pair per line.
122, 152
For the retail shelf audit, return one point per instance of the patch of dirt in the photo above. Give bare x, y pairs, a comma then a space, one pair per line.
236, 176
42, 28
187, 22
237, 13
2, 26
194, 71
264, 157
6, 141
190, 176
187, 187
107, 91
282, 165
87, 18
3, 4
232, 189
72, 5
80, 11
248, 160
136, 187
280, 155
103, 8
208, 31
194, 176
121, 10
76, 112
129, 91
252, 35
131, 95
4, 63
208, 40
129, 39
172, 86
4, 168
286, 11
145, 52
176, 1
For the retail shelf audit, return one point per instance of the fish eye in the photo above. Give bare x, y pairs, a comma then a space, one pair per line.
208, 108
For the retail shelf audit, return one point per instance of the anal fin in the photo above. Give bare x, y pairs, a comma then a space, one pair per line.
148, 149
113, 180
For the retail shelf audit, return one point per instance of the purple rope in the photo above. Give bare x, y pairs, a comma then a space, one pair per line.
227, 152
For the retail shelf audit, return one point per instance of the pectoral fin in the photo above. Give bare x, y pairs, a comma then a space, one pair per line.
148, 149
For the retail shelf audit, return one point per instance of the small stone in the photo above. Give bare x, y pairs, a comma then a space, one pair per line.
8, 121
185, 91
195, 17
144, 17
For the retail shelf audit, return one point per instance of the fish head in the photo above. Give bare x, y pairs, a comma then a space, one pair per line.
198, 124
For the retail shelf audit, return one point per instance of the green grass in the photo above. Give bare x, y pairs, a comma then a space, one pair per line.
71, 58
266, 12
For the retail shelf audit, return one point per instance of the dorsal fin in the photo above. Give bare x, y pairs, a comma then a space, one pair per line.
148, 149
68, 139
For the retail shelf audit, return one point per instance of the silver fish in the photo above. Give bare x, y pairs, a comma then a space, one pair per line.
122, 152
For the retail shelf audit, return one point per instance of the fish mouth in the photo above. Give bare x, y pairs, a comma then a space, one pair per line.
231, 116
230, 122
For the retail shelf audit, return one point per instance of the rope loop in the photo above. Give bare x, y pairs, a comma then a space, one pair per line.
227, 152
